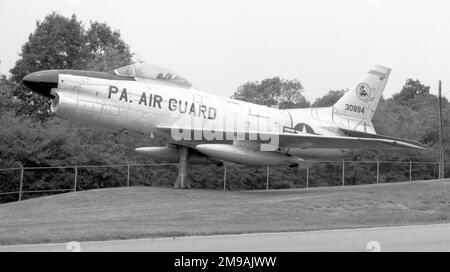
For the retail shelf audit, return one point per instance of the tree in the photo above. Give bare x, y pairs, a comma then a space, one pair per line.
273, 91
106, 48
59, 42
109, 59
330, 98
6, 99
411, 114
410, 90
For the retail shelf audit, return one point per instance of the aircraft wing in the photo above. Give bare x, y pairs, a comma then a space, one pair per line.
360, 134
291, 140
319, 141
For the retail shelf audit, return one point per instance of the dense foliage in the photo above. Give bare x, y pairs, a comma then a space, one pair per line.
273, 91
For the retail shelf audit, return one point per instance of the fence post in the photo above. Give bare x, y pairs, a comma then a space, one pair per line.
410, 170
21, 182
224, 177
307, 177
75, 180
343, 172
378, 171
434, 170
267, 181
128, 174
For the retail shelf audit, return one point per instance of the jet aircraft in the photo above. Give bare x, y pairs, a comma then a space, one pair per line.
202, 128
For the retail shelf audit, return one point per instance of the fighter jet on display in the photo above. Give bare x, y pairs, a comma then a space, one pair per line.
204, 128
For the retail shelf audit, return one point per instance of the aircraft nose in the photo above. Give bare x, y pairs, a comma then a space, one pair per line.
42, 82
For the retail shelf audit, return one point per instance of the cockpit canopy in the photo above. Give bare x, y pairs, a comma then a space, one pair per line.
143, 72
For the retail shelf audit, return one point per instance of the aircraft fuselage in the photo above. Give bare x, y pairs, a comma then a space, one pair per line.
142, 106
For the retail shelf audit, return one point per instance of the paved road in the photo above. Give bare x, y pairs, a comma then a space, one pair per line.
405, 238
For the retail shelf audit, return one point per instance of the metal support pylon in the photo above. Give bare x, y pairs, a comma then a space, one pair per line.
182, 181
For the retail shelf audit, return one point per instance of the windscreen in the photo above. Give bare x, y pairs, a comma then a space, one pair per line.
141, 71
159, 73
125, 71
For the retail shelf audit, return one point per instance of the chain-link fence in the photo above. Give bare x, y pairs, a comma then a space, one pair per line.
26, 182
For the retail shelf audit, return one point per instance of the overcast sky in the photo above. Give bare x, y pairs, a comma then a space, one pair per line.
219, 45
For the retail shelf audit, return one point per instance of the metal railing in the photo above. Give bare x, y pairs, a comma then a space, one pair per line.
337, 172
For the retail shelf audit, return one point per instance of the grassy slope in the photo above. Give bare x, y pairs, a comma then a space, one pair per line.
156, 212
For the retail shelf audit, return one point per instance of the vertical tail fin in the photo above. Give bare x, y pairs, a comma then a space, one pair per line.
361, 100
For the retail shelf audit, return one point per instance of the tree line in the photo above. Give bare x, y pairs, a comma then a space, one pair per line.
31, 136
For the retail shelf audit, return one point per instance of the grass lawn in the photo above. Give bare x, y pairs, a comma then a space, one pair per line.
135, 212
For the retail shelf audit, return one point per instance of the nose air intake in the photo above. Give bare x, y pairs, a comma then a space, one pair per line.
42, 82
